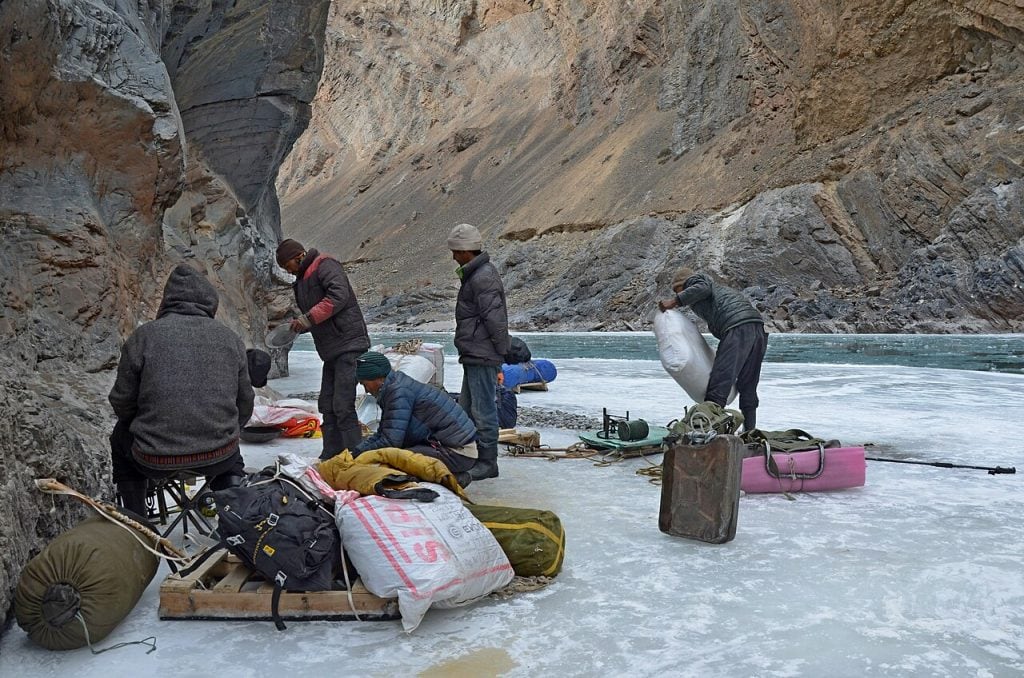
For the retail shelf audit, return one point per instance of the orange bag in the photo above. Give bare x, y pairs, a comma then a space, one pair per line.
301, 427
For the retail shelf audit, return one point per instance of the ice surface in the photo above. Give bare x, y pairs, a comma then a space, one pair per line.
919, 573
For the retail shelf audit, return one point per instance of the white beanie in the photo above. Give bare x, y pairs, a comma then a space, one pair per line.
465, 237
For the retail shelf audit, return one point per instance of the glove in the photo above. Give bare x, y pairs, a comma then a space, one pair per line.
666, 304
301, 324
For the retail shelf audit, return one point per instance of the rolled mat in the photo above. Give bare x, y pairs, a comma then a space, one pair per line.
843, 467
94, 573
529, 373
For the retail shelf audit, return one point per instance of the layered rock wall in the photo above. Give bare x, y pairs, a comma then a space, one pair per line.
133, 136
856, 166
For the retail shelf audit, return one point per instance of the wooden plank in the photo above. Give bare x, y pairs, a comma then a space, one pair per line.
176, 581
234, 580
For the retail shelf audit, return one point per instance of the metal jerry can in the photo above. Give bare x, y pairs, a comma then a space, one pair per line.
700, 489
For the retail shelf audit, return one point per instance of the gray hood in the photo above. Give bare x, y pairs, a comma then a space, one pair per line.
188, 292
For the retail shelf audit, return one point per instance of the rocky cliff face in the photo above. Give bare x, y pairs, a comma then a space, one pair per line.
133, 135
853, 166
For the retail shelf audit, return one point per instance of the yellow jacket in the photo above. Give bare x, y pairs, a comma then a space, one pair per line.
385, 471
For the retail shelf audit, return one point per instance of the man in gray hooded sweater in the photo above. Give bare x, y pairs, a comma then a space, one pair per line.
182, 392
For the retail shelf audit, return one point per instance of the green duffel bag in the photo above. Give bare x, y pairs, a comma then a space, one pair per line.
533, 540
86, 580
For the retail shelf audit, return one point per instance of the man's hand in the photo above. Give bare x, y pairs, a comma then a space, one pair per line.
300, 324
666, 304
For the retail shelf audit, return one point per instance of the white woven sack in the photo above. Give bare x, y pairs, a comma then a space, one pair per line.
684, 353
423, 553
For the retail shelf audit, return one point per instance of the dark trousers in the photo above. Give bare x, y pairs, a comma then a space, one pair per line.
455, 462
738, 362
337, 404
126, 469
478, 399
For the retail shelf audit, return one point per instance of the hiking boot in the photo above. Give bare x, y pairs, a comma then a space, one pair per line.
484, 468
463, 478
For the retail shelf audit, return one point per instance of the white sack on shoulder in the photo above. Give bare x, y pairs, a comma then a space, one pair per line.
684, 353
434, 553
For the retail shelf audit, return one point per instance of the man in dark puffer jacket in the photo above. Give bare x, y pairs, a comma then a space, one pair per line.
737, 325
331, 313
182, 392
416, 416
481, 337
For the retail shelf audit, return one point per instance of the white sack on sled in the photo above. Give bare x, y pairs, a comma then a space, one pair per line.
684, 353
273, 415
423, 553
419, 367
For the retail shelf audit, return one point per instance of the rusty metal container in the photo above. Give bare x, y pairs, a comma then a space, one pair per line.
700, 490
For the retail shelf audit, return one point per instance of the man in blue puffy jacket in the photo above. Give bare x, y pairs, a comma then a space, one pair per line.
739, 328
416, 416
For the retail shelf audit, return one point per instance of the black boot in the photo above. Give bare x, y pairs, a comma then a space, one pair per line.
333, 441
486, 465
463, 479
133, 496
749, 418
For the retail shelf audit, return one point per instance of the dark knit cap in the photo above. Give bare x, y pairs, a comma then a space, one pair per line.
288, 249
259, 366
372, 365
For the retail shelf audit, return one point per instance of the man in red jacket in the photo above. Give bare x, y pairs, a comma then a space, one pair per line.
331, 313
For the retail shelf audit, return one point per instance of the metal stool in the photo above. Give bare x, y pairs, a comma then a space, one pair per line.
189, 508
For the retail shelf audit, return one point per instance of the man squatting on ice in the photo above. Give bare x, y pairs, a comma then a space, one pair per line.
481, 338
739, 328
331, 313
181, 393
416, 416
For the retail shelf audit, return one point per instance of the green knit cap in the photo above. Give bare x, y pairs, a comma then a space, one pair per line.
372, 365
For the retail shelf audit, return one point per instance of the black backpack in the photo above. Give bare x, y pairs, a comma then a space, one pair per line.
518, 352
279, 530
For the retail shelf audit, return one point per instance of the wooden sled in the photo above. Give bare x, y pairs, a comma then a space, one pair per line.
224, 588
531, 386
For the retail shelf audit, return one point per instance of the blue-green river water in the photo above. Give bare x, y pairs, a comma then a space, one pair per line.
983, 352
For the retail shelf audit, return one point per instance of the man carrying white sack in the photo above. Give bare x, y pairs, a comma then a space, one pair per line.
739, 328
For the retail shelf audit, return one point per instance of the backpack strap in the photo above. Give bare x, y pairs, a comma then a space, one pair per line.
202, 558
790, 440
275, 601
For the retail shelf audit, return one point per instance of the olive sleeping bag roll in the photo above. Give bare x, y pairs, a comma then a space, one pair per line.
98, 569
533, 539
